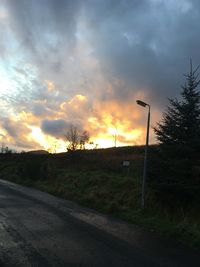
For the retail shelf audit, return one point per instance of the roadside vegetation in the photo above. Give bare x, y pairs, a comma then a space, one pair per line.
98, 180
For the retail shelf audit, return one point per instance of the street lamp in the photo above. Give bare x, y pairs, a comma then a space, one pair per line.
143, 104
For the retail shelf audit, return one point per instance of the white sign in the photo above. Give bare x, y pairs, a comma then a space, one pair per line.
126, 163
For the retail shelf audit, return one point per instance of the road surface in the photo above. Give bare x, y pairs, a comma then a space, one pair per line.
37, 229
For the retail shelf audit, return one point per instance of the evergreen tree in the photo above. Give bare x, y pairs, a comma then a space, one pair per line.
174, 174
179, 129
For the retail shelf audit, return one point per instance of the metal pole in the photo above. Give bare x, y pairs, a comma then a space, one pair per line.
145, 162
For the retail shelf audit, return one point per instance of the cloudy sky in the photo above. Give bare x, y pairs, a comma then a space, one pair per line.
85, 62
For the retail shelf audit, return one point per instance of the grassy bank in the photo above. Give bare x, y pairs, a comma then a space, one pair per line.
98, 180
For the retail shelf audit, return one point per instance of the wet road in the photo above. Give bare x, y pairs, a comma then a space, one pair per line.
37, 229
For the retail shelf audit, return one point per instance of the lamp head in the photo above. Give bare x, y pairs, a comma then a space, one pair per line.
141, 103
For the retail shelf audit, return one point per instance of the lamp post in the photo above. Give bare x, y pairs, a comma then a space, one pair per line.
143, 104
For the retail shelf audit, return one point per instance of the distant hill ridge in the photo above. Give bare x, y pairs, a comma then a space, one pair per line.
38, 152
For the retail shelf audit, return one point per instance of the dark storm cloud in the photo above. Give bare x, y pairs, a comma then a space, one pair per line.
35, 20
147, 44
56, 128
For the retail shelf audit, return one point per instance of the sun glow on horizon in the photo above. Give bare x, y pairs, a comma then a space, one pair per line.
47, 142
102, 140
110, 125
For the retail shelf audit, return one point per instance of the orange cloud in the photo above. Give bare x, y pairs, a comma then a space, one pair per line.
112, 120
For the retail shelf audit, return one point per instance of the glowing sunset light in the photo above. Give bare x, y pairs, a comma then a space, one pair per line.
78, 67
108, 141
37, 135
47, 142
94, 123
81, 97
75, 101
104, 142
2, 134
112, 131
131, 136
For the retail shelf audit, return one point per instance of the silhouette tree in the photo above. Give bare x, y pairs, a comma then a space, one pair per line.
6, 150
178, 134
72, 136
76, 138
180, 125
84, 138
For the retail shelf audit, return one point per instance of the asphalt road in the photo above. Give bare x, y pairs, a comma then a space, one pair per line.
37, 229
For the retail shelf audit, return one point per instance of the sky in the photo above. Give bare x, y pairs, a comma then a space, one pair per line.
86, 62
